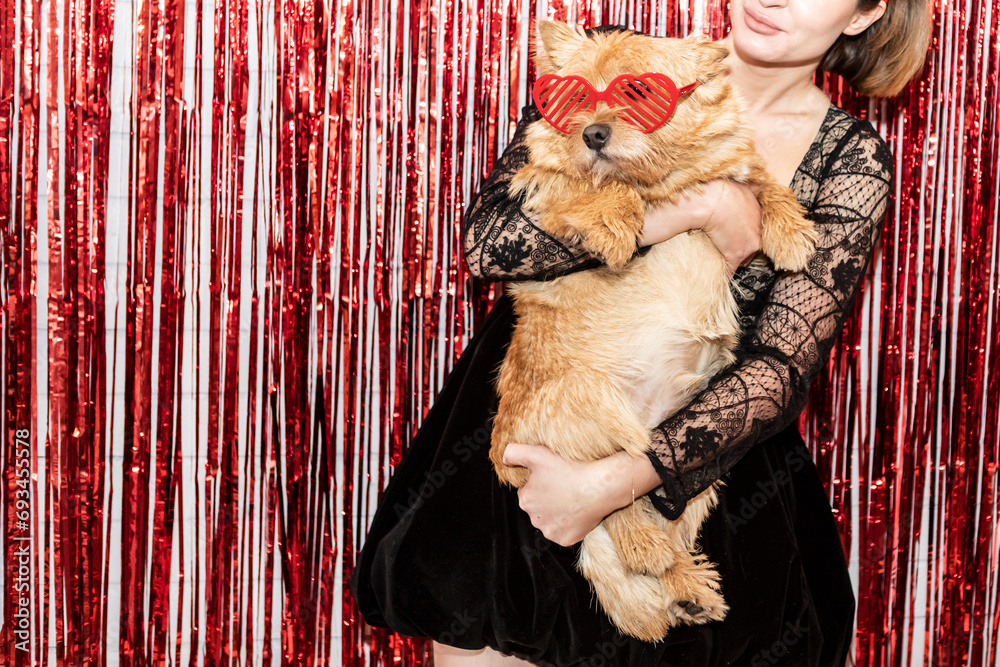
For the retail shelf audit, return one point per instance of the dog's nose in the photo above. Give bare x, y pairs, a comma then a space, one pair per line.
596, 136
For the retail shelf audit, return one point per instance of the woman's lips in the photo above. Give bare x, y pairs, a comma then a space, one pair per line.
758, 23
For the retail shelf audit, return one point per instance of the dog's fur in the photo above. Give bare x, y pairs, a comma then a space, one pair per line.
600, 357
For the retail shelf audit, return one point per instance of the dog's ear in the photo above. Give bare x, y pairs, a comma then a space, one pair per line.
709, 56
555, 44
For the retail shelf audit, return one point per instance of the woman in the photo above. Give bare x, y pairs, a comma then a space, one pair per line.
486, 571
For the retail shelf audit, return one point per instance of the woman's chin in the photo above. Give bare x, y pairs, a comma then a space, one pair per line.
759, 51
767, 51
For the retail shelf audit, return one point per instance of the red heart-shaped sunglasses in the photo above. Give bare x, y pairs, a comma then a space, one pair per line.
646, 101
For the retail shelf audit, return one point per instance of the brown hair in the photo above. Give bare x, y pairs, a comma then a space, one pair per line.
882, 59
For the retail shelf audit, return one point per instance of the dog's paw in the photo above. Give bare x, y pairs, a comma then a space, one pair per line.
614, 239
787, 237
693, 589
609, 222
693, 613
791, 246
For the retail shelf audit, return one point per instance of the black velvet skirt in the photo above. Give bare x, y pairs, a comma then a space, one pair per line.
451, 556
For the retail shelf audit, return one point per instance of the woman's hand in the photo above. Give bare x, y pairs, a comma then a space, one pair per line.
567, 499
727, 211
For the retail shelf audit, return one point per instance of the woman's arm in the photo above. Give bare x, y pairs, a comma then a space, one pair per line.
504, 242
796, 329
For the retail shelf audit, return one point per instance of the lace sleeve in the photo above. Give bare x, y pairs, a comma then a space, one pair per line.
502, 241
767, 386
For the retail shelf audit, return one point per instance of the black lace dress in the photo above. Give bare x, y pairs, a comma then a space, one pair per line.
451, 556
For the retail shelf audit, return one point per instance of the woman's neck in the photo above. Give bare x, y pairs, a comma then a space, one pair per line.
773, 90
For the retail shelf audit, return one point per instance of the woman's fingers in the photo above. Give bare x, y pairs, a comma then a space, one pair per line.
567, 499
735, 225
517, 454
726, 210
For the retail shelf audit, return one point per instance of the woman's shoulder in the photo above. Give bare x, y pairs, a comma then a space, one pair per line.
844, 131
845, 142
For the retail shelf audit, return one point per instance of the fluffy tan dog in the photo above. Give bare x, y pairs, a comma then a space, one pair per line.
600, 357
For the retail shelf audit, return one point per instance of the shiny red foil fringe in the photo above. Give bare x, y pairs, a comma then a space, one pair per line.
235, 358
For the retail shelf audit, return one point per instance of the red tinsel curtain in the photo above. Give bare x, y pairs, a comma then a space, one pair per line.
233, 284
